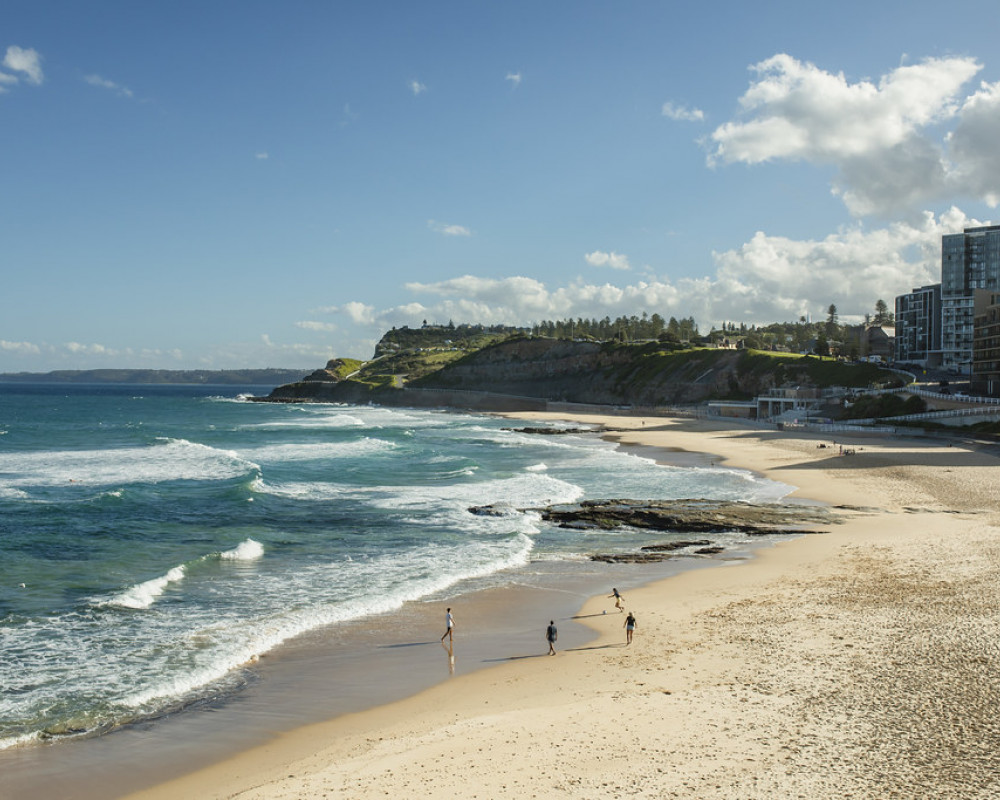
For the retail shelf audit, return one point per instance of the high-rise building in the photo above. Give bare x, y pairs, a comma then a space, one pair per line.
986, 344
918, 326
969, 261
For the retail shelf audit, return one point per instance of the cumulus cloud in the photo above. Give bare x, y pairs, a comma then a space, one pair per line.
417, 87
612, 259
973, 144
23, 60
767, 279
448, 230
358, 313
878, 135
682, 113
104, 83
514, 78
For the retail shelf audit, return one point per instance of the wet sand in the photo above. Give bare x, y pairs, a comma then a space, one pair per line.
859, 663
863, 662
338, 670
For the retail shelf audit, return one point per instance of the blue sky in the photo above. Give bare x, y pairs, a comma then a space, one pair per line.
252, 184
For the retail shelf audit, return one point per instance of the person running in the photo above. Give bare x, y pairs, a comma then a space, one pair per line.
551, 634
619, 600
450, 622
629, 628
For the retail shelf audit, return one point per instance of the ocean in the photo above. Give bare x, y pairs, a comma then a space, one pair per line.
156, 541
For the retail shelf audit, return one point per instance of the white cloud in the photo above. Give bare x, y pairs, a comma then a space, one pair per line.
417, 87
76, 348
612, 259
27, 61
20, 348
879, 136
309, 325
768, 279
802, 112
974, 144
514, 78
359, 313
104, 83
448, 230
682, 113
262, 155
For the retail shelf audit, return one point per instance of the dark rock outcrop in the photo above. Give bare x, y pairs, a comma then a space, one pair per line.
675, 516
687, 516
671, 546
654, 553
551, 431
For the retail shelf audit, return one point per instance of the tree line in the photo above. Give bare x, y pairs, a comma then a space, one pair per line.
625, 329
823, 337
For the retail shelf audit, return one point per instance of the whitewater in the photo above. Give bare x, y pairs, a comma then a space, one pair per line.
155, 542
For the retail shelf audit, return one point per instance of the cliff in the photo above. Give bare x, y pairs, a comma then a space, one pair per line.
539, 368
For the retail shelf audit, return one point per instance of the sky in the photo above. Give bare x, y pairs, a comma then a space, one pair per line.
222, 184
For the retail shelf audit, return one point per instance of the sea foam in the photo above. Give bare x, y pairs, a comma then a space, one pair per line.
165, 460
144, 594
247, 550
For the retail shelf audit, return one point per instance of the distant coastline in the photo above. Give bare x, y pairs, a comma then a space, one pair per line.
255, 377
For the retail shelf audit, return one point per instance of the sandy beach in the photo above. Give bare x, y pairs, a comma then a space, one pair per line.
861, 662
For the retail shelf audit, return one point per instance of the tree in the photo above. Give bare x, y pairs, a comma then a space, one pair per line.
657, 323
882, 314
831, 322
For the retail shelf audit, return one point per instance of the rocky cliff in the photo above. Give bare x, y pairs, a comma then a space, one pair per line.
649, 374
588, 372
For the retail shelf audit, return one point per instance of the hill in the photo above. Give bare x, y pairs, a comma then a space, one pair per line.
608, 373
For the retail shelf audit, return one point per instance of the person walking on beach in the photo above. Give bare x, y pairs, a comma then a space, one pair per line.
450, 622
619, 600
551, 634
629, 628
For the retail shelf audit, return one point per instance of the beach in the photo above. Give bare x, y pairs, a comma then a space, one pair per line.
862, 661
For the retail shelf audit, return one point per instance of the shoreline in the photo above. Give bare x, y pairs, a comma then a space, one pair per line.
376, 660
741, 682
327, 673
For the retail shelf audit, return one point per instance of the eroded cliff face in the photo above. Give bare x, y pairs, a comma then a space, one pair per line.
587, 372
560, 370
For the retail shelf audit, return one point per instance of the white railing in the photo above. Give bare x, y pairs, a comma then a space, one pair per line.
932, 415
841, 427
982, 401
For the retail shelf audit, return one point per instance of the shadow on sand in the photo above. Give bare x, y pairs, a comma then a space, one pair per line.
405, 644
567, 650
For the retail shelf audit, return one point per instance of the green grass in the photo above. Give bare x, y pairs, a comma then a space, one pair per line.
818, 370
347, 366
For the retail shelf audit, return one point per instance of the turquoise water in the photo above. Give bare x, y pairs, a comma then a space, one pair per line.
154, 541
